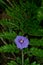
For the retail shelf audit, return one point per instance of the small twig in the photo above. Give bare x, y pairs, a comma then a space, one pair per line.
13, 55
10, 3
10, 58
3, 41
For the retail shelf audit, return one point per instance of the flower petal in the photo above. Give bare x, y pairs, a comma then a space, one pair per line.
24, 44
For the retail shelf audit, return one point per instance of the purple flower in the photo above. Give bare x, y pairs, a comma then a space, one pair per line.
21, 42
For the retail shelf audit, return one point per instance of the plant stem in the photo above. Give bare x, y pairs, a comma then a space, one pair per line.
22, 58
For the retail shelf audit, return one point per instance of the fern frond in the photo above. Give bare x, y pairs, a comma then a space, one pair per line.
36, 42
9, 48
8, 35
36, 52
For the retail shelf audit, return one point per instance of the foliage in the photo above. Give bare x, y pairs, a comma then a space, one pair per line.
23, 18
12, 63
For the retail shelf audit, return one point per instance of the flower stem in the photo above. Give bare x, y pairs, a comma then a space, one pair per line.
22, 58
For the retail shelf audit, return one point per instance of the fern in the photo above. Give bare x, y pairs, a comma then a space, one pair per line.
23, 18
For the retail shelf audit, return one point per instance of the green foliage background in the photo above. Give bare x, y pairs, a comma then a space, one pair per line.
23, 18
